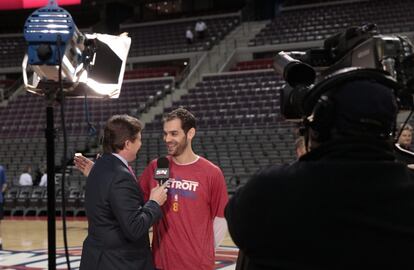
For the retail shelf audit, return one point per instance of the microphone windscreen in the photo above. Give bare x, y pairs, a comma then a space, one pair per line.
163, 162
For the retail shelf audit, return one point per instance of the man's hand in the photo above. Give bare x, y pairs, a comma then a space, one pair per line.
83, 164
159, 193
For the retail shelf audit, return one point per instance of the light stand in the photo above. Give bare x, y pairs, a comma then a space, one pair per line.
51, 213
68, 63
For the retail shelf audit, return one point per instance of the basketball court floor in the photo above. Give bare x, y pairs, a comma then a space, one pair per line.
25, 245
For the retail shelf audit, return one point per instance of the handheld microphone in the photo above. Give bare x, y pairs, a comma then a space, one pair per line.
162, 172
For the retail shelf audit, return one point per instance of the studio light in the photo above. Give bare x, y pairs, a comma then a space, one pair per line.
92, 64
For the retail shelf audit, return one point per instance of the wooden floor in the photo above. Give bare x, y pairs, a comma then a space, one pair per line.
31, 234
25, 245
24, 234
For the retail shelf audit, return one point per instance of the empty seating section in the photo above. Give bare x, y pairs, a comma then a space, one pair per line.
248, 99
6, 83
318, 23
146, 40
241, 152
170, 38
25, 115
32, 201
253, 64
151, 72
12, 50
8, 87
18, 153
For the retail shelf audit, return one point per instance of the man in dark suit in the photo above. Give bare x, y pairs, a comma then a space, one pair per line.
118, 219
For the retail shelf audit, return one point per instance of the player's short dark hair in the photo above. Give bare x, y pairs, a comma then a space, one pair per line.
188, 120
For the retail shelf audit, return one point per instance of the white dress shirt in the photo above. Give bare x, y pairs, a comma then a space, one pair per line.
25, 180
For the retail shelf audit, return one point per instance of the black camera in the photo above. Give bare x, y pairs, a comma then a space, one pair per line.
362, 47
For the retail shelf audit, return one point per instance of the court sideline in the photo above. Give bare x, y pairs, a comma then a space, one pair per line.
25, 244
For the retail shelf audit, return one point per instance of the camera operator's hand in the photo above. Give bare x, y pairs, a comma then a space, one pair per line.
159, 193
410, 166
83, 164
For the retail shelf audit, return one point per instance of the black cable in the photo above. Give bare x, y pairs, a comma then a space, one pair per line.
65, 149
91, 128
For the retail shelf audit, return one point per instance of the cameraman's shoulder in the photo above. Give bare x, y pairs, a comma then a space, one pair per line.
275, 171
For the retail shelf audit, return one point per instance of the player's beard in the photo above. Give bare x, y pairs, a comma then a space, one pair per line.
177, 148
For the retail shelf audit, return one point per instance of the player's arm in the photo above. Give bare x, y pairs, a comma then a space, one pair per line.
218, 203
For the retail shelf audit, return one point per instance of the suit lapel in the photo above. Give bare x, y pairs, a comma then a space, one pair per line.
122, 166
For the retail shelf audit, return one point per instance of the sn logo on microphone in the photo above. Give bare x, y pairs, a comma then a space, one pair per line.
161, 172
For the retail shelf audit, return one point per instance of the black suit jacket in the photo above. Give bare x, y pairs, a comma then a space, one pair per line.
118, 219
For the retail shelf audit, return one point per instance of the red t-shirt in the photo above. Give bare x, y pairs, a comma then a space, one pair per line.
184, 238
